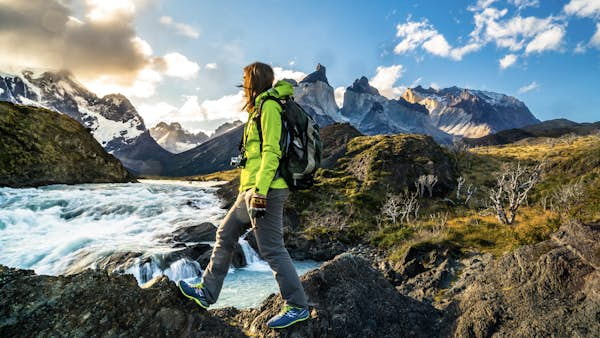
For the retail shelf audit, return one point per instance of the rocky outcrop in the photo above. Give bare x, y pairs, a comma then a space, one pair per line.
174, 138
335, 137
395, 162
93, 303
374, 114
316, 96
39, 146
112, 119
471, 113
348, 298
548, 289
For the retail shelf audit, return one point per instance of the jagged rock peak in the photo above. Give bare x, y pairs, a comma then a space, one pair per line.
317, 75
362, 86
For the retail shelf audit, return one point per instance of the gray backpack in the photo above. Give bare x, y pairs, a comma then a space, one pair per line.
300, 144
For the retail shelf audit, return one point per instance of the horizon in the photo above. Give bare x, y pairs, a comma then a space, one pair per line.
179, 62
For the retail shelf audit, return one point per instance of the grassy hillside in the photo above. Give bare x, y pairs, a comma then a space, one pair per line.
39, 146
345, 205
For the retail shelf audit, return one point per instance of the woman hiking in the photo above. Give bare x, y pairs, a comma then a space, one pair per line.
259, 203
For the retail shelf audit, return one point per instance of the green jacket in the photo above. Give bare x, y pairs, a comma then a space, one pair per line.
260, 167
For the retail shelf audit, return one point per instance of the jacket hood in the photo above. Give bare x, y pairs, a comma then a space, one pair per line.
281, 89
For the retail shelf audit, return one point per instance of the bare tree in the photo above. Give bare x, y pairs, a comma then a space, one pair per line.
461, 182
512, 186
469, 191
426, 181
402, 207
566, 196
391, 207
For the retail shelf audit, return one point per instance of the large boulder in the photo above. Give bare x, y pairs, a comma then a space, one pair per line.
548, 289
348, 298
93, 303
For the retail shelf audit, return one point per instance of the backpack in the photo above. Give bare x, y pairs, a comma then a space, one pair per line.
300, 144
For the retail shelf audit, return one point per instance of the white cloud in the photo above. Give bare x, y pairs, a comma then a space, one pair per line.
508, 60
524, 3
178, 65
550, 39
413, 35
583, 8
339, 96
481, 4
208, 113
211, 65
595, 40
108, 10
143, 85
434, 86
281, 73
385, 78
180, 28
580, 48
517, 32
423, 34
437, 45
533, 85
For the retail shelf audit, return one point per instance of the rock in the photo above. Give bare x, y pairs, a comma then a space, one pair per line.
93, 303
548, 289
348, 298
40, 146
239, 259
317, 97
395, 162
318, 75
197, 233
194, 252
321, 248
228, 193
335, 137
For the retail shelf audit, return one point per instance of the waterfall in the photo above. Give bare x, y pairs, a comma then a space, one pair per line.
253, 261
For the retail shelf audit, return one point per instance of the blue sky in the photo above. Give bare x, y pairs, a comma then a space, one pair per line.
550, 50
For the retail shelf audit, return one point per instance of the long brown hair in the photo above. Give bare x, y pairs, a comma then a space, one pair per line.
258, 77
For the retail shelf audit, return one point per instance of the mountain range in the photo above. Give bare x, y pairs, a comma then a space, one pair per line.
167, 149
174, 138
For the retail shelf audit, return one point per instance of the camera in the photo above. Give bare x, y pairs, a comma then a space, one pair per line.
238, 161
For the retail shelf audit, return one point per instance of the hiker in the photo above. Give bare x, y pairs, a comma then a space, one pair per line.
259, 203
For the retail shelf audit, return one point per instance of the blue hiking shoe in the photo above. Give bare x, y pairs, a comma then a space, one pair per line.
288, 316
194, 292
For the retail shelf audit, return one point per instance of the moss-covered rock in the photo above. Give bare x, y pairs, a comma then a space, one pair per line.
39, 146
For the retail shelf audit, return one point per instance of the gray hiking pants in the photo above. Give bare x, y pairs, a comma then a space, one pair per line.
268, 231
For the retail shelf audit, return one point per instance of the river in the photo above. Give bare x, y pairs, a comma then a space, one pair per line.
62, 229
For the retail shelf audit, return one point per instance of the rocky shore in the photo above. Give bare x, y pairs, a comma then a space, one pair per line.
550, 289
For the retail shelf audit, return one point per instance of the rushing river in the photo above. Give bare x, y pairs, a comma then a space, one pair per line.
63, 229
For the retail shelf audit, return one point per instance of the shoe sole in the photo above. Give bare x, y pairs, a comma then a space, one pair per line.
192, 298
290, 324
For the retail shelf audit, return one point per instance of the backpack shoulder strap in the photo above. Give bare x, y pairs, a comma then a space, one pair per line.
258, 116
